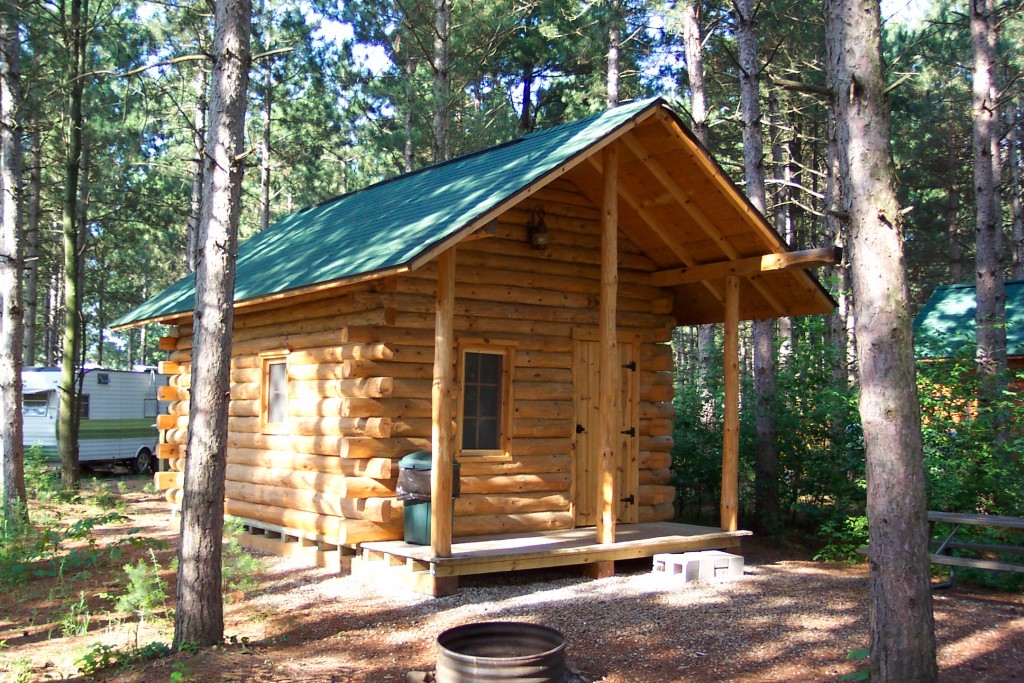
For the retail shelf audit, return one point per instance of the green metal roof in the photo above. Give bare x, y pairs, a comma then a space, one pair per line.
945, 327
390, 224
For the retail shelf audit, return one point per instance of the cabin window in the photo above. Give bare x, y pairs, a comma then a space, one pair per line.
485, 402
274, 393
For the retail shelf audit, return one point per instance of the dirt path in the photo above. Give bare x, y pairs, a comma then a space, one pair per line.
785, 620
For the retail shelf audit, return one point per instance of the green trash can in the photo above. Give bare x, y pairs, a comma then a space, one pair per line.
414, 491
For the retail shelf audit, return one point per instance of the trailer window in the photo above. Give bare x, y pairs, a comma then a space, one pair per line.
274, 393
485, 402
34, 405
150, 407
83, 407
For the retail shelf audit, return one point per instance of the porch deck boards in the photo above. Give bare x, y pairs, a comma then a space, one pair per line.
510, 552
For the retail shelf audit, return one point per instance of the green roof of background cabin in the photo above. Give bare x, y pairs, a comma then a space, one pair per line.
945, 327
390, 224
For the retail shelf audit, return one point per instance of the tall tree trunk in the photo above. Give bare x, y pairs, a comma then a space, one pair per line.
265, 113
199, 614
442, 81
693, 45
32, 247
838, 275
526, 115
12, 454
611, 99
766, 457
195, 204
900, 600
67, 420
51, 314
410, 105
1016, 210
990, 288
780, 207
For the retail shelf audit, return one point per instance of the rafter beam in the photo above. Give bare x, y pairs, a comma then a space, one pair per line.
747, 267
699, 217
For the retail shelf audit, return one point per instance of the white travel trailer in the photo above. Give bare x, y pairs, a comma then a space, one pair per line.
118, 415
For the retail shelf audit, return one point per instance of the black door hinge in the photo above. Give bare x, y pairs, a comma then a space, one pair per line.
580, 429
629, 432
628, 499
631, 365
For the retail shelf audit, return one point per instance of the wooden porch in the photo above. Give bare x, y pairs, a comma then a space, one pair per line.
425, 572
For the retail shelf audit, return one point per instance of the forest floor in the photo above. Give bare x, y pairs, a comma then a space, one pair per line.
787, 619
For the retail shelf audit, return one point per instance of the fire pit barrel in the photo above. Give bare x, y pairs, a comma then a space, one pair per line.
497, 651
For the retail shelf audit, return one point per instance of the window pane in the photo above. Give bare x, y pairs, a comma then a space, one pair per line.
481, 405
277, 394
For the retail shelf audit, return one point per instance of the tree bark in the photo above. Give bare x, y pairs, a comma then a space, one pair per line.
766, 457
990, 290
900, 600
67, 420
12, 455
410, 104
614, 45
199, 615
265, 113
693, 46
1016, 210
195, 205
32, 248
442, 80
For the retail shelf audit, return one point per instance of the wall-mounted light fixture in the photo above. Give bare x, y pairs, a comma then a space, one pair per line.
537, 230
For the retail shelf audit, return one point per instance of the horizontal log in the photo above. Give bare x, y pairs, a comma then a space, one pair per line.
543, 359
176, 436
518, 523
553, 375
166, 451
340, 353
368, 368
662, 512
251, 375
288, 341
650, 411
251, 360
479, 326
178, 407
180, 356
654, 494
657, 358
304, 334
244, 424
659, 426
324, 482
543, 429
309, 501
500, 504
163, 481
246, 391
168, 343
363, 387
566, 254
276, 315
360, 407
411, 388
336, 529
524, 447
375, 468
652, 461
345, 447
376, 427
658, 476
172, 421
532, 464
657, 393
516, 483
167, 367
238, 408
169, 393
548, 410
656, 443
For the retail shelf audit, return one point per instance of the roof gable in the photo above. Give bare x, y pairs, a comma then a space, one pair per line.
387, 226
945, 327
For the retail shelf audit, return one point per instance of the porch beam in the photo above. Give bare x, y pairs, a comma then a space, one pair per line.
609, 380
442, 394
731, 432
747, 267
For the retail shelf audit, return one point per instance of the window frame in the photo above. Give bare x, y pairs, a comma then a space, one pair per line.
505, 349
269, 359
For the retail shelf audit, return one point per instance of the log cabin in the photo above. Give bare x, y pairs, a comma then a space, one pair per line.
511, 310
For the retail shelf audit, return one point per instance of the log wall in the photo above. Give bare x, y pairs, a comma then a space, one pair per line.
360, 367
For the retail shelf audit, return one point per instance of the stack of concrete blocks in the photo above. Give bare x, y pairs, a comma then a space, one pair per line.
706, 565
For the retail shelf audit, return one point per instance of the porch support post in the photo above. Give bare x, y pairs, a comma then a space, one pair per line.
731, 432
608, 404
442, 394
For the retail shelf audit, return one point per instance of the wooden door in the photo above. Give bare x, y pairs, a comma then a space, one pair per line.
586, 450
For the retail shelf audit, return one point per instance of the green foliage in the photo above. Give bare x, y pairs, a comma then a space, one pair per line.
844, 535
20, 670
96, 658
181, 672
858, 655
146, 593
239, 568
41, 481
75, 620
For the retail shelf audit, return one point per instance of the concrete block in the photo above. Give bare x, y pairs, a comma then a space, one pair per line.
705, 565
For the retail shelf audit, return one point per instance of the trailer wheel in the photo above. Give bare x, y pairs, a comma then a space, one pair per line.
143, 462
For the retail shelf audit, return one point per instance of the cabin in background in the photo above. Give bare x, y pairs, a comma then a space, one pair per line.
510, 310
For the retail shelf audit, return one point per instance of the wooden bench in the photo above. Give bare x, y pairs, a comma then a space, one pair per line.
958, 520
